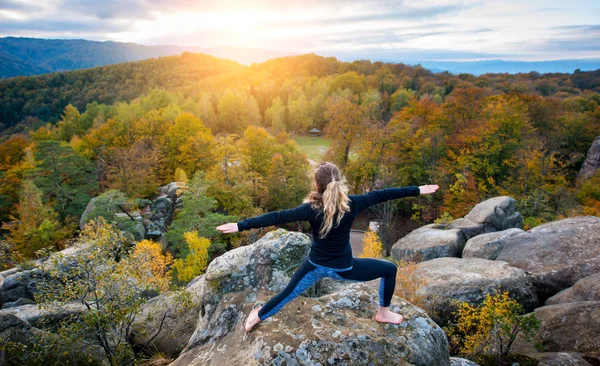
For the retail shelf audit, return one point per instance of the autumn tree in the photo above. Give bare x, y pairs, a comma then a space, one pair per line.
236, 112
299, 114
135, 169
35, 225
15, 159
66, 179
287, 179
230, 185
275, 116
70, 124
345, 124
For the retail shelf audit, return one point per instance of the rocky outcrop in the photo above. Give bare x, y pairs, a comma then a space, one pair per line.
445, 280
335, 329
166, 323
448, 240
147, 222
487, 246
19, 287
329, 328
592, 161
586, 289
16, 333
571, 327
496, 214
557, 254
427, 243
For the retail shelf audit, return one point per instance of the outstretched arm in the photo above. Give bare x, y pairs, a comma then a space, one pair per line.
365, 200
300, 213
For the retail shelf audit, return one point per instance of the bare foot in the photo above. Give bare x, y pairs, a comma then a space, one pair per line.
384, 315
252, 320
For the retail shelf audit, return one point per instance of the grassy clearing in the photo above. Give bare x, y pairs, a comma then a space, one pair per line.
316, 147
313, 147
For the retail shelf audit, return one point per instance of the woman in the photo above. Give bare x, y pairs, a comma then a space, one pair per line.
330, 212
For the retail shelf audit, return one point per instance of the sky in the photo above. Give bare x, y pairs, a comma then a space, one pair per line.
450, 30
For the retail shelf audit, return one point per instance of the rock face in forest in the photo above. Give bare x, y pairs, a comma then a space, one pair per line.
557, 254
336, 326
592, 161
448, 240
150, 221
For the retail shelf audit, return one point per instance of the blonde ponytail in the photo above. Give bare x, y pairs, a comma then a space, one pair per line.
333, 200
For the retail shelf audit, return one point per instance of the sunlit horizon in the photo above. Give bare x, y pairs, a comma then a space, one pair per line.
376, 29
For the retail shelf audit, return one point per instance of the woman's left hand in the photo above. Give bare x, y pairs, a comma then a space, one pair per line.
430, 188
228, 228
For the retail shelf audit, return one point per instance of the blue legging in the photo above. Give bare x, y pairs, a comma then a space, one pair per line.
363, 269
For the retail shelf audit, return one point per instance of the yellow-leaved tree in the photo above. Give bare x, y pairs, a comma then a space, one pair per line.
194, 264
372, 247
180, 176
153, 262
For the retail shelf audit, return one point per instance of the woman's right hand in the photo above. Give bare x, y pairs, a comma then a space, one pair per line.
430, 188
228, 228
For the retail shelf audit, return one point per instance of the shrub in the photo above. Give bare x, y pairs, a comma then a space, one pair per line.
372, 247
490, 329
110, 282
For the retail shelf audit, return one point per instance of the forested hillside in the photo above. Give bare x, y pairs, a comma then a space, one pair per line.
124, 130
25, 99
32, 56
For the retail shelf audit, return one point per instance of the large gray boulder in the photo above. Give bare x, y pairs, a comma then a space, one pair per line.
165, 323
488, 245
327, 328
446, 280
557, 254
592, 161
448, 240
427, 243
20, 285
496, 214
334, 329
571, 327
47, 316
586, 289
268, 264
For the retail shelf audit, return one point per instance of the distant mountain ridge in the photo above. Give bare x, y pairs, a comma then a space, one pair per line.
512, 67
33, 56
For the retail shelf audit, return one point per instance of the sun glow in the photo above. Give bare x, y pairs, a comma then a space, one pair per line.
214, 29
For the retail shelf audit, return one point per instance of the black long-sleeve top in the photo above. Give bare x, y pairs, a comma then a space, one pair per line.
334, 249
